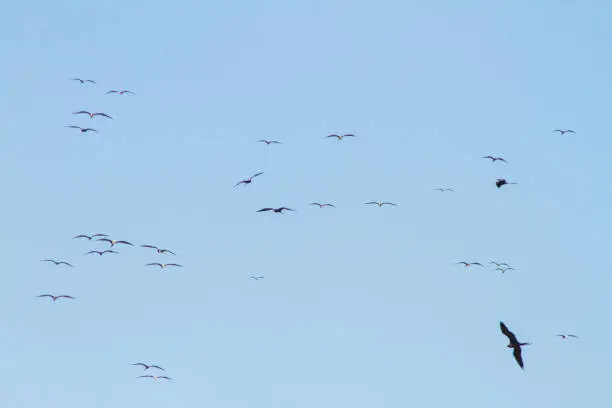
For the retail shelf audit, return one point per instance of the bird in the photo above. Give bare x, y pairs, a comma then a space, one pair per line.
339, 137
494, 159
443, 189
83, 130
469, 263
498, 264
564, 131
91, 115
256, 277
57, 262
248, 180
106, 251
146, 366
380, 203
89, 237
269, 142
113, 242
501, 182
159, 250
276, 210
154, 377
83, 80
120, 92
514, 344
55, 297
505, 269
323, 205
564, 336
162, 265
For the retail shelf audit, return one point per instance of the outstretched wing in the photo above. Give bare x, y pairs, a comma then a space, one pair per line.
477, 263
518, 357
41, 296
508, 334
102, 114
158, 367
163, 251
149, 246
155, 264
141, 364
286, 208
265, 209
65, 296
66, 263
573, 335
80, 112
386, 202
124, 242
239, 183
173, 264
258, 174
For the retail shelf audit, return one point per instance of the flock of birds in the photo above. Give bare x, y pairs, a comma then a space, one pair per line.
98, 237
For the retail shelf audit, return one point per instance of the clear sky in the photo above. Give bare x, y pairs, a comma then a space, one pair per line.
360, 306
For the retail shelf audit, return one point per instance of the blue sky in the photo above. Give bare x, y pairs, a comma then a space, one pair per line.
360, 306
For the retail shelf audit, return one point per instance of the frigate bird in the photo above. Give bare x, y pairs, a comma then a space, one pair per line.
443, 189
146, 366
90, 237
276, 210
340, 137
55, 297
91, 115
57, 262
494, 159
120, 92
503, 270
106, 251
498, 264
154, 377
323, 205
256, 277
380, 203
501, 182
113, 242
565, 336
269, 142
91, 81
469, 263
159, 250
564, 131
248, 180
83, 130
514, 344
162, 265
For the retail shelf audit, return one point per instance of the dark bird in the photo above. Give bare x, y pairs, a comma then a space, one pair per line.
146, 366
120, 92
89, 237
323, 205
503, 270
564, 336
113, 242
276, 210
159, 250
339, 137
163, 266
501, 182
55, 297
469, 263
444, 189
91, 115
380, 203
83, 130
154, 377
268, 142
498, 264
83, 80
514, 344
106, 251
256, 277
564, 131
494, 159
249, 180
57, 262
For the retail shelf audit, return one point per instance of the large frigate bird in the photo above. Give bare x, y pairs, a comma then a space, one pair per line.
92, 115
146, 366
564, 131
276, 210
514, 344
248, 180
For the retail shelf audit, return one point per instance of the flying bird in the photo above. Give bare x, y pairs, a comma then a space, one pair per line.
323, 205
443, 189
120, 92
339, 137
494, 159
564, 131
91, 115
106, 251
268, 142
564, 336
83, 130
146, 366
514, 344
57, 262
163, 266
55, 297
89, 237
498, 264
159, 250
501, 182
276, 210
469, 263
83, 80
256, 277
113, 242
505, 269
249, 180
154, 377
380, 203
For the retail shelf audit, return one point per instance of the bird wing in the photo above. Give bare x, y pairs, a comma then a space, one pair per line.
145, 376
158, 367
110, 251
173, 264
141, 364
265, 209
105, 240
167, 378
124, 242
82, 236
275, 141
502, 159
79, 112
102, 114
508, 333
41, 296
488, 157
258, 174
570, 131
371, 202
92, 252
558, 130
154, 263
338, 136
88, 129
65, 296
73, 127
265, 141
476, 263
110, 92
149, 246
349, 135
99, 235
518, 357
239, 183
90, 80
386, 202
330, 205
163, 251
286, 208
573, 335
66, 263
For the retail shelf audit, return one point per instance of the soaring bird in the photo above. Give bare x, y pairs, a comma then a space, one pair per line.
106, 251
120, 92
339, 137
498, 264
380, 203
83, 80
256, 277
494, 159
514, 344
155, 377
162, 265
55, 297
146, 366
57, 262
323, 205
509, 268
113, 242
564, 131
83, 130
443, 189
501, 182
91, 115
469, 263
249, 180
269, 142
159, 250
89, 237
564, 336
276, 210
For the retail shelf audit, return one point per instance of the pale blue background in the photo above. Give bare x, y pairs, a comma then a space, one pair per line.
361, 306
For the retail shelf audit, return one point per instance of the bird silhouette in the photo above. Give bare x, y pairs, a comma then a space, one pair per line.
269, 142
323, 205
113, 242
514, 344
106, 251
146, 366
564, 131
503, 270
494, 159
159, 250
154, 377
339, 137
467, 264
57, 262
83, 130
443, 189
55, 297
276, 210
91, 81
248, 180
380, 203
119, 92
92, 115
89, 237
565, 336
256, 277
162, 265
